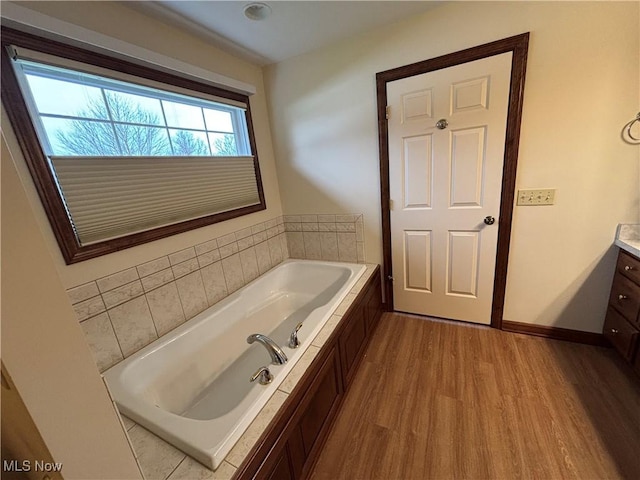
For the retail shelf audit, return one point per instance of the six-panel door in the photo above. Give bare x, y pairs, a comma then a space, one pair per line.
446, 153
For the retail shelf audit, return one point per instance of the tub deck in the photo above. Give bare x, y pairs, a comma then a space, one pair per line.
198, 408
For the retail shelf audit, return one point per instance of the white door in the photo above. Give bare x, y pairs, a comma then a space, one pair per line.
444, 181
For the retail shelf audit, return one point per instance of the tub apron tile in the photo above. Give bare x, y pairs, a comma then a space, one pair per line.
157, 458
250, 436
189, 469
289, 383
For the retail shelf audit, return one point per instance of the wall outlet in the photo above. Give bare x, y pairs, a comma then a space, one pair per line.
536, 197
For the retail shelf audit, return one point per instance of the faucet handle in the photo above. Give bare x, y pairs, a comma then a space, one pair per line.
293, 339
263, 374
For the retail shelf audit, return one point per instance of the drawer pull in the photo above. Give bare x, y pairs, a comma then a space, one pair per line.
622, 297
614, 330
627, 268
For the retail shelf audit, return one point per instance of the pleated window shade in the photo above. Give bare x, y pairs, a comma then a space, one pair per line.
123, 153
110, 197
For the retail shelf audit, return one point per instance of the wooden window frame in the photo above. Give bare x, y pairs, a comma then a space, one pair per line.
36, 159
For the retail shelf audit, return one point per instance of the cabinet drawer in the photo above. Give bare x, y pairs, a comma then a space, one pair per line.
625, 297
622, 335
629, 266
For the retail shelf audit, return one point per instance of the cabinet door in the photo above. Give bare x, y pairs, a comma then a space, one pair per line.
320, 410
373, 307
351, 342
282, 469
636, 363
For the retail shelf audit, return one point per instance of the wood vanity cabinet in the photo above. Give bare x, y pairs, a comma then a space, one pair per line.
622, 323
290, 446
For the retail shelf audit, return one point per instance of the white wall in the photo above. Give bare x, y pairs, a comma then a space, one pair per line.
46, 354
582, 86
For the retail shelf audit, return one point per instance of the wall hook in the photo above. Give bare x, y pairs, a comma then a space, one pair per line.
626, 131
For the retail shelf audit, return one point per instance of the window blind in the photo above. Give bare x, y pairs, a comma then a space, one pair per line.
110, 197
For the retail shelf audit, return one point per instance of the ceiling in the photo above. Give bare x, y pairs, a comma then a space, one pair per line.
293, 28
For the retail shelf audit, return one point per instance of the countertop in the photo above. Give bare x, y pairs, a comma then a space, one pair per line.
628, 238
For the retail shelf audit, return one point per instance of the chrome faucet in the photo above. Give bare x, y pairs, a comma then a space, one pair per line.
278, 357
263, 375
293, 339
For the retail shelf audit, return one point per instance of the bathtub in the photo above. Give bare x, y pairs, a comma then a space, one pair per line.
191, 387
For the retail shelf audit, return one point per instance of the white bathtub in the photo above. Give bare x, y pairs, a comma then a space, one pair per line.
191, 387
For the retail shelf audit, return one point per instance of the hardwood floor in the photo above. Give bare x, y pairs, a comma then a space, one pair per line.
442, 400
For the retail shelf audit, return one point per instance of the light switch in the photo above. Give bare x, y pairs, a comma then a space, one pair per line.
536, 197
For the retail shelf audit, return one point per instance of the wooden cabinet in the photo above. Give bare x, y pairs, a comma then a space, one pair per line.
322, 398
620, 333
282, 469
352, 343
290, 446
363, 318
621, 325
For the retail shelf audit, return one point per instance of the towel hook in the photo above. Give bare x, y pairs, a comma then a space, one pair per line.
626, 132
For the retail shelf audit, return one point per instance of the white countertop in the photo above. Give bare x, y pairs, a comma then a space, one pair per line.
628, 238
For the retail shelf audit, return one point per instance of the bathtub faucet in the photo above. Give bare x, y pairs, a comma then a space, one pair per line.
293, 339
278, 357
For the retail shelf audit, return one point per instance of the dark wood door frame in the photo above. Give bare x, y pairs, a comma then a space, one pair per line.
518, 45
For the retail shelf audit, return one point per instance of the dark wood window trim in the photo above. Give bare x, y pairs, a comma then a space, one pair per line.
518, 45
36, 160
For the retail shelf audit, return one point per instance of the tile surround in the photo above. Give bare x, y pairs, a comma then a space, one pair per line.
123, 312
326, 237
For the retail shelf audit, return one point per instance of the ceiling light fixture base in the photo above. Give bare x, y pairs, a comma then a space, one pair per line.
257, 11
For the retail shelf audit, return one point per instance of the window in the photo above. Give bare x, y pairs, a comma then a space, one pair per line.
88, 115
122, 154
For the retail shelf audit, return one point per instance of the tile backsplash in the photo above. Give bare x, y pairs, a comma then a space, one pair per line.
325, 237
124, 312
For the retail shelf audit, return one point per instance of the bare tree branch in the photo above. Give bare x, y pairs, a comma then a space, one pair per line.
133, 138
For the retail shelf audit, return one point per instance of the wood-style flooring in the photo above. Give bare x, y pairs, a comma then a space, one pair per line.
446, 400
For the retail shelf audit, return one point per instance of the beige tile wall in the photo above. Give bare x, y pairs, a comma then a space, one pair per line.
325, 237
124, 312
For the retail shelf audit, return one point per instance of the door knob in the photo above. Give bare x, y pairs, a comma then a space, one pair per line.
489, 220
442, 124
